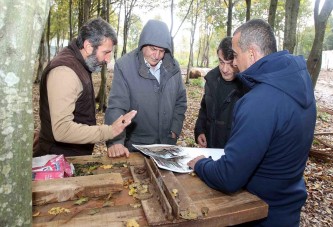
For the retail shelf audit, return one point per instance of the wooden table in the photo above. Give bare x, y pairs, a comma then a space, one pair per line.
224, 210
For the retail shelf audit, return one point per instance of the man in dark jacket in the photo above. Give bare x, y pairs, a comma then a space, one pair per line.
148, 80
67, 99
222, 90
273, 127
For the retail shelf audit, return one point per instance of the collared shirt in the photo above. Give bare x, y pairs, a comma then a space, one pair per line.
155, 70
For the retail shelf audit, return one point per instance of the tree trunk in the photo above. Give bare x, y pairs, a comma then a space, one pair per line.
70, 20
115, 51
101, 96
194, 20
48, 37
315, 57
181, 24
84, 9
128, 8
229, 22
272, 13
248, 10
41, 58
22, 24
291, 14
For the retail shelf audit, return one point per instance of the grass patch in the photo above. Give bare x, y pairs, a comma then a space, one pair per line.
197, 82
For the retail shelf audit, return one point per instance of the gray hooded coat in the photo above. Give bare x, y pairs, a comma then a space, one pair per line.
161, 106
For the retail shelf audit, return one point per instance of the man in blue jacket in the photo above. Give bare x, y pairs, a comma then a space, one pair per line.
148, 79
273, 127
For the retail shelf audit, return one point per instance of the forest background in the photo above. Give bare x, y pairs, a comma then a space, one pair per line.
31, 32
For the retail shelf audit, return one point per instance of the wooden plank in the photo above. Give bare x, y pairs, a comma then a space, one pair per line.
59, 190
224, 209
182, 203
93, 213
161, 196
135, 158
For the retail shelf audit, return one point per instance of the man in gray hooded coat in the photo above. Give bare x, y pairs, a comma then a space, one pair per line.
148, 79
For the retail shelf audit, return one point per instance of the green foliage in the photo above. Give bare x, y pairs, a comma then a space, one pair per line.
197, 82
328, 41
134, 32
304, 44
190, 142
324, 116
315, 142
194, 94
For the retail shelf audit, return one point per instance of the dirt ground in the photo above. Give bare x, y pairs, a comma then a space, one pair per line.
319, 171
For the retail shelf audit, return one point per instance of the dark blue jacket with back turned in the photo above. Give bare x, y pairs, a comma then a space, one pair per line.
272, 132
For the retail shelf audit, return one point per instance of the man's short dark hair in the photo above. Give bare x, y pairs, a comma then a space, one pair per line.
258, 32
95, 31
226, 47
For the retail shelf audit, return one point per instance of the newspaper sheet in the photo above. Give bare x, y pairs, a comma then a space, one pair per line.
175, 158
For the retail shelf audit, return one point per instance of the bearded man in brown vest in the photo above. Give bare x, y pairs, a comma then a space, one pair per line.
67, 99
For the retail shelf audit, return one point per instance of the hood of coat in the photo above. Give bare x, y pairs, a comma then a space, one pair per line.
155, 33
283, 71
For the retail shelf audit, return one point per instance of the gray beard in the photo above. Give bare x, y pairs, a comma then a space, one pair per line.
93, 64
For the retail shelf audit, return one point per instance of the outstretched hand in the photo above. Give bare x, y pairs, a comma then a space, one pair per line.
122, 122
118, 150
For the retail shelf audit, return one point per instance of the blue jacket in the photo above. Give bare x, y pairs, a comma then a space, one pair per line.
272, 133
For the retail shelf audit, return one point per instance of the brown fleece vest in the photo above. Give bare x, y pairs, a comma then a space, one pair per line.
84, 112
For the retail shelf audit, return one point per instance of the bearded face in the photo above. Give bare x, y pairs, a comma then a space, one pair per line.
93, 63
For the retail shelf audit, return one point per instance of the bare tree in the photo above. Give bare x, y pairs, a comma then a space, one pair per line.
117, 30
182, 22
101, 97
229, 22
128, 9
48, 37
230, 6
84, 10
194, 20
272, 12
25, 21
70, 19
248, 9
291, 14
41, 59
315, 57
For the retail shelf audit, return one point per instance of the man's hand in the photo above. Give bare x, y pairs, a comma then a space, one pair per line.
202, 140
194, 161
122, 122
118, 150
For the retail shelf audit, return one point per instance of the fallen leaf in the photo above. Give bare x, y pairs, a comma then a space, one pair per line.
204, 211
135, 205
108, 204
36, 214
58, 210
106, 166
109, 196
81, 201
132, 191
188, 214
132, 223
174, 192
93, 211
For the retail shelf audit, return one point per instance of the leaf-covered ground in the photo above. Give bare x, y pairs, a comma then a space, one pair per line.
319, 171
